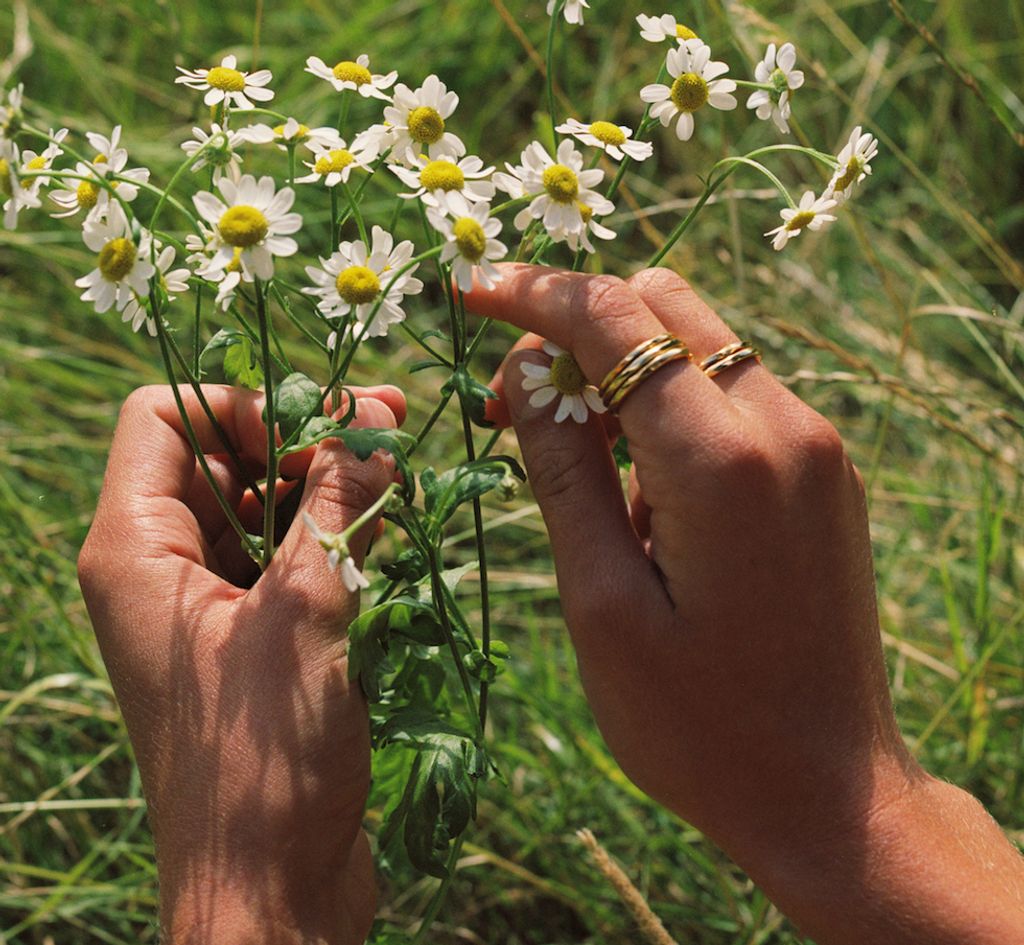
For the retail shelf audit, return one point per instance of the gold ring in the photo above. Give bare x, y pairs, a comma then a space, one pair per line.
646, 358
727, 357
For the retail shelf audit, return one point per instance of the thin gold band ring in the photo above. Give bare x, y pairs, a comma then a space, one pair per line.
638, 365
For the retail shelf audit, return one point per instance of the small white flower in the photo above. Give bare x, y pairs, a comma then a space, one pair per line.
337, 553
417, 122
810, 214
109, 162
612, 139
253, 219
123, 269
353, 279
224, 83
433, 181
590, 224
572, 11
562, 376
173, 282
470, 241
35, 161
854, 164
353, 75
220, 152
562, 188
656, 29
334, 165
290, 134
15, 197
11, 113
696, 84
777, 71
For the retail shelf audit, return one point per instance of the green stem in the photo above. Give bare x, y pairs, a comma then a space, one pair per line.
354, 208
268, 386
441, 893
333, 245
549, 71
370, 513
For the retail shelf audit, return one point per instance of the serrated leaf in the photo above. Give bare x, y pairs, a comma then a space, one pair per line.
296, 399
443, 494
221, 342
472, 394
241, 365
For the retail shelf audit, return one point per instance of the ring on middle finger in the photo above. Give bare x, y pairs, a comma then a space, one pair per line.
639, 364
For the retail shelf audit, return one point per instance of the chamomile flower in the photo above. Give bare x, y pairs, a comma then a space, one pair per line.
696, 83
854, 164
433, 181
656, 29
225, 83
561, 377
417, 122
253, 219
290, 134
612, 139
561, 189
776, 70
591, 225
334, 165
11, 113
354, 279
13, 195
337, 554
172, 281
810, 214
353, 75
43, 161
470, 243
123, 269
572, 11
219, 151
109, 162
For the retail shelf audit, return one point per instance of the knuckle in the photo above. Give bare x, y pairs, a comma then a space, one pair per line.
819, 444
555, 480
739, 459
604, 299
353, 485
665, 287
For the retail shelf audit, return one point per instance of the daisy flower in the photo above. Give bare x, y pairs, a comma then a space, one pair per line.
34, 161
696, 84
656, 29
251, 218
433, 181
173, 282
220, 151
290, 134
354, 279
337, 553
123, 269
776, 70
469, 241
810, 214
353, 75
561, 186
612, 139
15, 197
854, 164
224, 83
572, 11
334, 165
417, 121
109, 161
10, 114
575, 240
562, 376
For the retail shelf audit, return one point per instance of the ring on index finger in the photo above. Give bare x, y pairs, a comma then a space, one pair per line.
638, 365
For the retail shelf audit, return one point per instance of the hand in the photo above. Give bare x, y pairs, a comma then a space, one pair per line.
724, 620
253, 749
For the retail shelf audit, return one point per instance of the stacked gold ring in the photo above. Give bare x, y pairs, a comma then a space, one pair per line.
646, 358
727, 357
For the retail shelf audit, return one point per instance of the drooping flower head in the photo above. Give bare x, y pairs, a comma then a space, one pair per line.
225, 83
854, 164
656, 29
614, 140
337, 554
108, 162
10, 112
14, 196
290, 134
353, 75
776, 70
561, 377
416, 122
572, 11
219, 151
811, 214
470, 243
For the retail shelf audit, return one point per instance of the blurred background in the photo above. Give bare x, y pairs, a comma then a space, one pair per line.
903, 323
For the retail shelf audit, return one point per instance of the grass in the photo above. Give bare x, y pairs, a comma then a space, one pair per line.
904, 324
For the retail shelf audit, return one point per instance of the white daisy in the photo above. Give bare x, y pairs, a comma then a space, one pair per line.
696, 84
776, 70
334, 165
374, 140
290, 134
337, 553
562, 376
251, 218
15, 197
433, 181
656, 29
470, 242
220, 151
561, 186
11, 113
353, 279
173, 282
417, 121
854, 164
572, 11
109, 162
224, 83
575, 240
353, 75
612, 139
810, 214
123, 269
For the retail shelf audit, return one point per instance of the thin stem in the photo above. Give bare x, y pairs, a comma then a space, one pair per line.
549, 71
197, 330
268, 386
354, 208
441, 893
333, 244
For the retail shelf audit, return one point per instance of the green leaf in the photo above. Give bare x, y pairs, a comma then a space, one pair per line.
621, 453
241, 364
410, 566
296, 399
363, 442
424, 365
319, 428
472, 394
443, 494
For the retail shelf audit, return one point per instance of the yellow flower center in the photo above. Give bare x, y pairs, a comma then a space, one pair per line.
854, 167
561, 183
301, 134
470, 238
352, 72
801, 220
334, 162
684, 32
87, 193
229, 80
426, 125
689, 92
5, 178
607, 132
36, 164
566, 376
442, 175
236, 261
116, 259
779, 83
243, 226
585, 211
100, 159
357, 285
